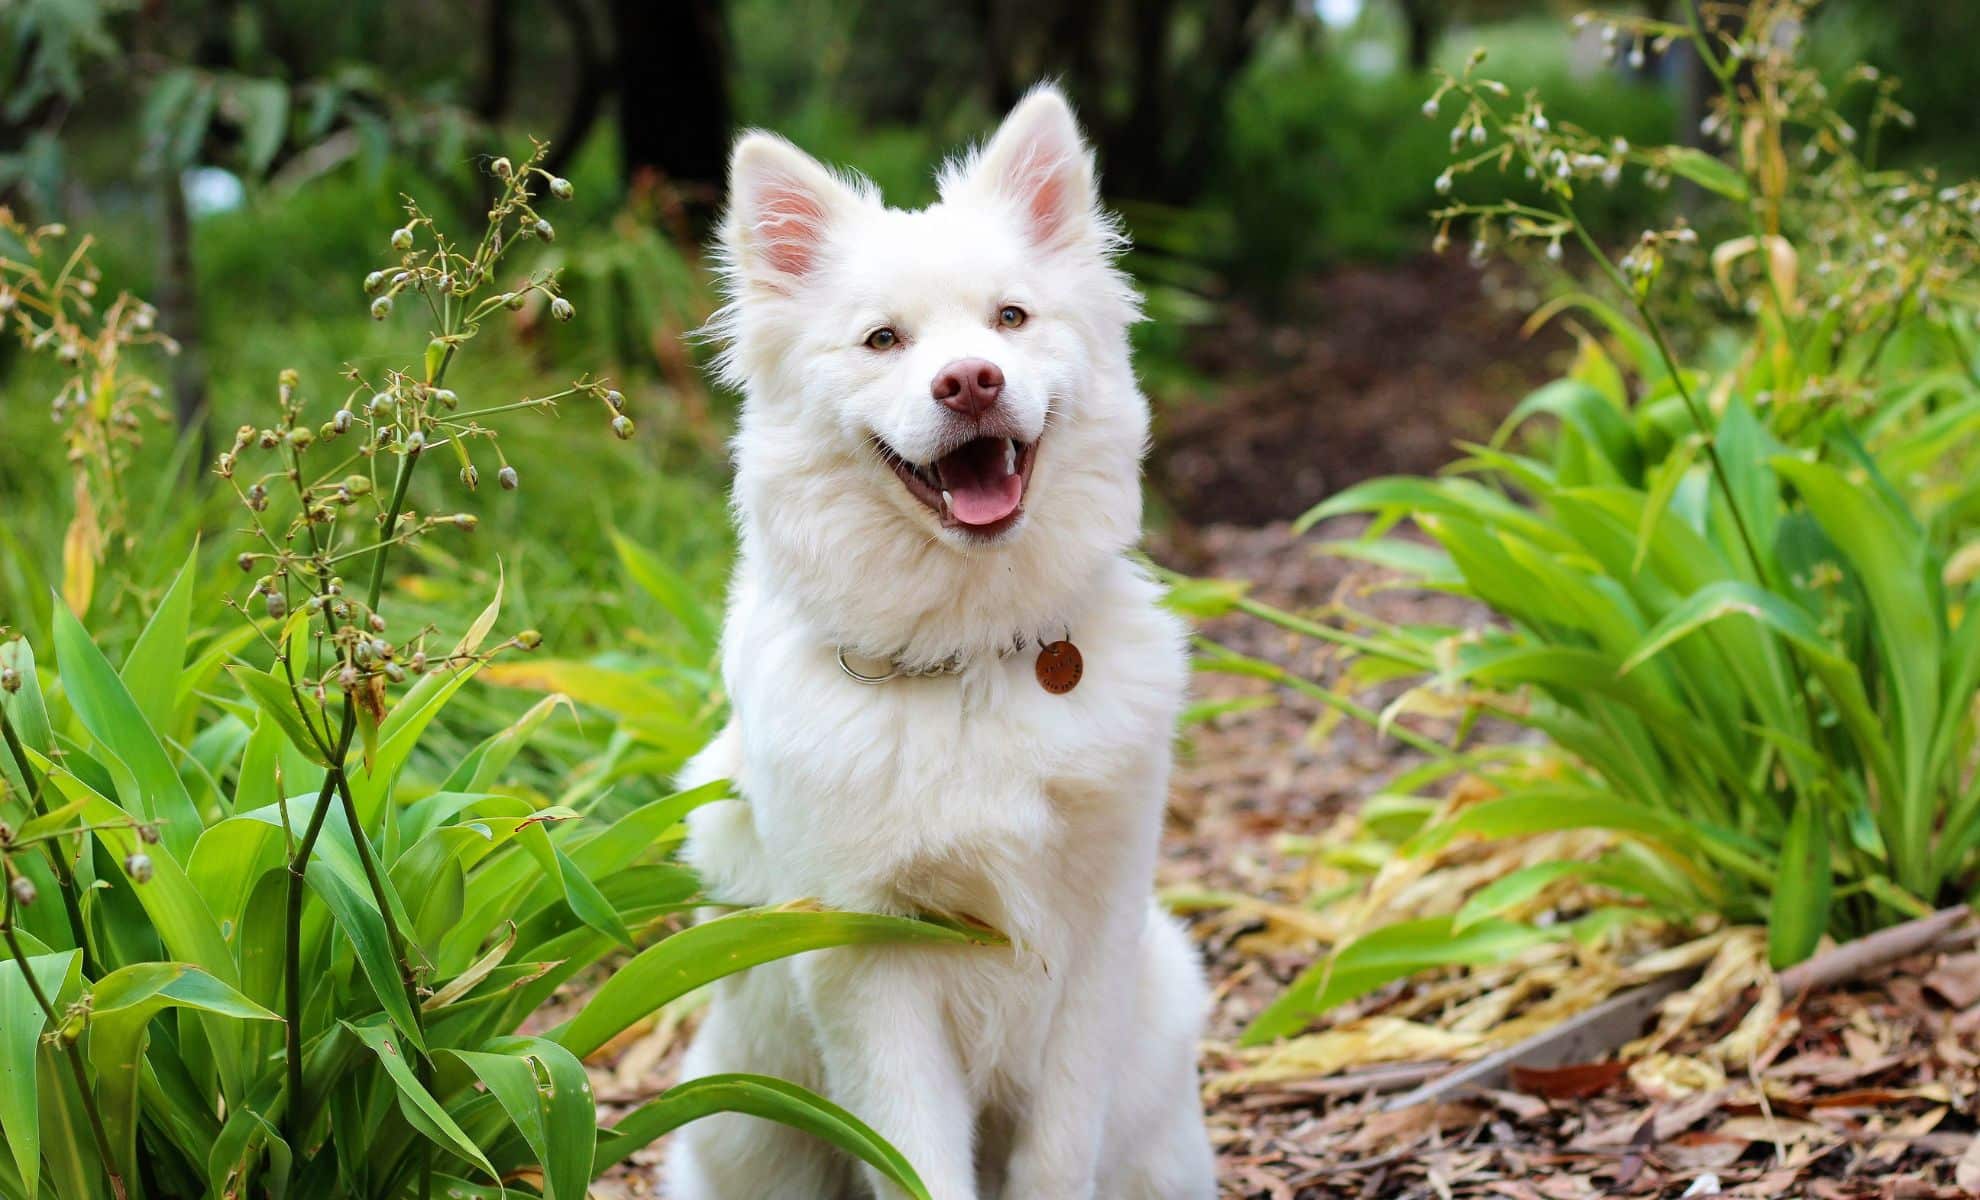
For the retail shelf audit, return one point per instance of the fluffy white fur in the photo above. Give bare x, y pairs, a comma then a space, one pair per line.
1064, 1067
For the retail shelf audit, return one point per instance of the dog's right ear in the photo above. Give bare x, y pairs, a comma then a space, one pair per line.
782, 203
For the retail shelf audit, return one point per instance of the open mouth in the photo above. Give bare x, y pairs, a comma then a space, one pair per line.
978, 487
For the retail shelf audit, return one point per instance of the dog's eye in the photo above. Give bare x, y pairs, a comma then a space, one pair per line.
882, 338
1011, 316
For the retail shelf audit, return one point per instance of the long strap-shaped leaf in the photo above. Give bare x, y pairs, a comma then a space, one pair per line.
725, 945
758, 1096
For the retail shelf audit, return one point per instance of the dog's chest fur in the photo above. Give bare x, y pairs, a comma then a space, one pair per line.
979, 794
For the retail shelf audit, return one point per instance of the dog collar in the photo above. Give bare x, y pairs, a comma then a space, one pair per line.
1058, 668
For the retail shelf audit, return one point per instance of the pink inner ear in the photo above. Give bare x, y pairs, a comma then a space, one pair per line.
1048, 202
1041, 180
789, 227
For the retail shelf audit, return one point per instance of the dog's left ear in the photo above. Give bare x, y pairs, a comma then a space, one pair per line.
1038, 162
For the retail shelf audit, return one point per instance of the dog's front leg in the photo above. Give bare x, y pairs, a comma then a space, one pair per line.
1056, 1152
890, 1061
1057, 1147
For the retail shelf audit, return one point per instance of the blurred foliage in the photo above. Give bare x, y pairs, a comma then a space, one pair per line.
1733, 591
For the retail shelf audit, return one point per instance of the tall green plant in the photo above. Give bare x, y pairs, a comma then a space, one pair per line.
247, 950
1735, 593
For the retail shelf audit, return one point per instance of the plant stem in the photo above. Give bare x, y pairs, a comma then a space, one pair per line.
71, 1052
64, 878
292, 940
299, 863
380, 897
399, 486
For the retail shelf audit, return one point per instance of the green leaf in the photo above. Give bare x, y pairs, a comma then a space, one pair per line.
21, 1022
365, 927
482, 766
400, 731
151, 669
706, 952
188, 133
1712, 174
1593, 415
146, 781
1388, 954
122, 1004
673, 593
177, 911
771, 1099
1799, 912
545, 1091
279, 702
1907, 611
26, 709
264, 118
1547, 808
415, 1101
1510, 891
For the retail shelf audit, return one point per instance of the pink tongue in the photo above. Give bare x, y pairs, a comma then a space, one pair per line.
980, 491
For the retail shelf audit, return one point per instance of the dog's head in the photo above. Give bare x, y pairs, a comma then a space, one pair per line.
938, 400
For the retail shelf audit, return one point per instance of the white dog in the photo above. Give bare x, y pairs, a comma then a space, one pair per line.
937, 479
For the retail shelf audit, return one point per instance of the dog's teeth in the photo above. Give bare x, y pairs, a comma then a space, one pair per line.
1010, 457
947, 500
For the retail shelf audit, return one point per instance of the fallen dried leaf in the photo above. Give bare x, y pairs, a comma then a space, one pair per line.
1574, 1081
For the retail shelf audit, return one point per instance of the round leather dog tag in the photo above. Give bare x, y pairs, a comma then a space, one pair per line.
1059, 667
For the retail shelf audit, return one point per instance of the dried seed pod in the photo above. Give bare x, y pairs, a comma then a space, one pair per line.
138, 867
508, 479
24, 892
545, 230
402, 238
377, 623
381, 308
562, 309
616, 399
257, 498
278, 606
503, 168
148, 834
560, 187
373, 282
245, 562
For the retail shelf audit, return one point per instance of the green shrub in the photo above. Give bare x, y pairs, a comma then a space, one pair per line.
261, 936
1327, 163
1737, 599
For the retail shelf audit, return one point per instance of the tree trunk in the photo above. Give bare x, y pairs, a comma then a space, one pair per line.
178, 310
499, 38
1420, 19
674, 109
588, 101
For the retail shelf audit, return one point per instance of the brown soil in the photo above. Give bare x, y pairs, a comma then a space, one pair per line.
1371, 371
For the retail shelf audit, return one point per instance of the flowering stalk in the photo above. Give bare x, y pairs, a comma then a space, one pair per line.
406, 416
71, 1052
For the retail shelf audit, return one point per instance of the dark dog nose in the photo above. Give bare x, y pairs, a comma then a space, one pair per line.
969, 386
